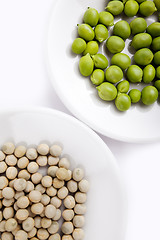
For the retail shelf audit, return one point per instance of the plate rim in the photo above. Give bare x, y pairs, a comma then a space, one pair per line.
73, 109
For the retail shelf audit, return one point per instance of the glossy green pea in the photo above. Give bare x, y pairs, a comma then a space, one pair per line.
140, 1
121, 60
86, 32
106, 19
143, 56
86, 65
158, 72
100, 61
101, 32
107, 91
149, 95
134, 74
157, 3
135, 95
115, 7
123, 86
141, 40
147, 8
115, 44
91, 17
114, 74
91, 48
138, 25
156, 44
157, 85
156, 58
78, 45
97, 76
122, 29
154, 29
149, 73
123, 102
131, 8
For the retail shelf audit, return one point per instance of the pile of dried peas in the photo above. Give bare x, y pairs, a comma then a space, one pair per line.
32, 205
146, 42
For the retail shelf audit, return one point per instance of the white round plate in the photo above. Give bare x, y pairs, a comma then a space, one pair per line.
138, 124
105, 217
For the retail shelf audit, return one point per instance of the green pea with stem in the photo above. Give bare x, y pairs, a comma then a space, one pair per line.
131, 8
101, 32
135, 95
97, 76
149, 95
91, 48
86, 65
134, 74
149, 73
78, 45
138, 25
143, 56
123, 102
85, 31
114, 74
123, 86
106, 19
91, 17
100, 61
107, 91
122, 29
147, 8
115, 7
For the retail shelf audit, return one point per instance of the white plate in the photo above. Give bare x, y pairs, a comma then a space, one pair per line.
105, 218
138, 124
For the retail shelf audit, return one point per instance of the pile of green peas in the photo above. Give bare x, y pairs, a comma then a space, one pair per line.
109, 80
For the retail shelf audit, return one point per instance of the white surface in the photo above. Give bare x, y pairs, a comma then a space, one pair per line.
77, 92
24, 81
24, 127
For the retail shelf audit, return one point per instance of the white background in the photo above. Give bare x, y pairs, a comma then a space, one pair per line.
24, 82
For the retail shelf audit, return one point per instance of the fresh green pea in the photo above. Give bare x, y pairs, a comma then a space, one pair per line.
101, 32
131, 8
156, 44
114, 74
123, 102
140, 1
157, 85
107, 91
135, 95
78, 45
134, 74
86, 65
91, 17
115, 7
100, 61
122, 29
147, 8
141, 40
106, 19
156, 58
143, 56
91, 48
123, 86
138, 25
154, 29
115, 44
149, 73
85, 31
149, 95
158, 72
121, 60
157, 3
97, 76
